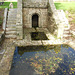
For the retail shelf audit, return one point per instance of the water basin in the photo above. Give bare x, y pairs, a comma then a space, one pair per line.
38, 36
43, 60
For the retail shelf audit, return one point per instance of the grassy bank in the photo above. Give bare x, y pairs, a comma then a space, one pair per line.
6, 5
69, 6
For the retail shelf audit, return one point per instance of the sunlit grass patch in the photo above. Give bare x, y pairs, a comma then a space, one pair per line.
6, 5
70, 6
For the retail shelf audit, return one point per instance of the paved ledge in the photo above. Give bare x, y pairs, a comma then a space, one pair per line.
38, 43
70, 43
6, 61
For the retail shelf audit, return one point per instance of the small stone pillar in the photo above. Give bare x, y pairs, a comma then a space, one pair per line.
11, 5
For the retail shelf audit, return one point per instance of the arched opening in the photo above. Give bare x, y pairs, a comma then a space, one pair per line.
35, 20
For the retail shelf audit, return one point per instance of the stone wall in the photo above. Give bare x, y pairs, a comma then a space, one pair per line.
52, 27
48, 16
19, 23
5, 18
35, 3
29, 12
56, 20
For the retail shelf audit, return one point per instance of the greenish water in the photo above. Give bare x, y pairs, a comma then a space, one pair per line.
43, 60
38, 36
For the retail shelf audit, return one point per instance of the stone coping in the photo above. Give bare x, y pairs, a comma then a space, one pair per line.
19, 23
5, 18
6, 61
40, 42
2, 33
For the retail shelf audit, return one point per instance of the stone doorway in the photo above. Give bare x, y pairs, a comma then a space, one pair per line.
35, 18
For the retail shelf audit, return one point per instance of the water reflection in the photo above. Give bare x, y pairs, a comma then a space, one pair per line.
43, 60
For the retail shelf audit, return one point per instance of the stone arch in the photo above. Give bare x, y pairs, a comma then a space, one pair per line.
35, 20
33, 13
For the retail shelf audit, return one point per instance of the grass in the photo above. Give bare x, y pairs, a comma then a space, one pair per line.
6, 5
69, 6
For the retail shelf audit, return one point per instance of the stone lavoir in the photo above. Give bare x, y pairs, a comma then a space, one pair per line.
36, 14
33, 25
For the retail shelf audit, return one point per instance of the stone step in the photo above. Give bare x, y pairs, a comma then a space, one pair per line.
13, 9
11, 26
72, 32
66, 28
10, 32
12, 15
10, 36
11, 19
65, 35
10, 29
66, 31
8, 22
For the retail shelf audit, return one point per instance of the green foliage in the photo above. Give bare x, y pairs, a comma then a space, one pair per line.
6, 5
70, 6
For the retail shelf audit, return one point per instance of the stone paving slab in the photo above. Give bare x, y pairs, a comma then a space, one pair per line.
42, 29
37, 43
52, 42
27, 37
6, 61
28, 30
